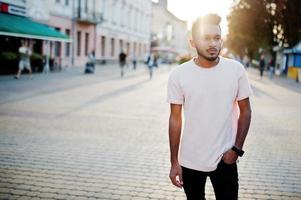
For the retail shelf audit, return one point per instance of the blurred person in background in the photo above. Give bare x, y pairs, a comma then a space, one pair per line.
261, 65
122, 62
134, 61
152, 62
90, 65
24, 63
271, 68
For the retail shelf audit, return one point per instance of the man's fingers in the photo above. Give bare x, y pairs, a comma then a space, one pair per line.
175, 176
176, 182
181, 179
173, 179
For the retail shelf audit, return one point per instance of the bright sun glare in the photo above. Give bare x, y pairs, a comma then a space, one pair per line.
189, 10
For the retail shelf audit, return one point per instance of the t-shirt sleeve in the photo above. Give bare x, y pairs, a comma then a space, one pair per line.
244, 87
174, 91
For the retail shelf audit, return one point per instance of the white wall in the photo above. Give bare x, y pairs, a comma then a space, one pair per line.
127, 20
160, 19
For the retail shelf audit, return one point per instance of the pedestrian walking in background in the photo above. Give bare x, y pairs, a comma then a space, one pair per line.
156, 56
134, 61
214, 93
151, 63
261, 65
271, 68
147, 58
122, 62
246, 62
90, 65
24, 63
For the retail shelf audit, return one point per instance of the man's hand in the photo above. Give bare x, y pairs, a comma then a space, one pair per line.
230, 157
175, 175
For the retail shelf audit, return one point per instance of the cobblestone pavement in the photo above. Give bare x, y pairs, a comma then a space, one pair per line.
73, 136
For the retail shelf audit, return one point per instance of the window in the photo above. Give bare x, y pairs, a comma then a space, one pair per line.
57, 46
122, 16
67, 44
145, 48
139, 49
169, 32
135, 20
134, 49
86, 6
121, 45
127, 47
78, 43
57, 49
112, 47
86, 44
103, 46
113, 12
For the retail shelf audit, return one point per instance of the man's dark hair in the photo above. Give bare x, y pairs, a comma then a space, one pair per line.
209, 19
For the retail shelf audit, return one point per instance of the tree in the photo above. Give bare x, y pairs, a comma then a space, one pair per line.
263, 24
288, 22
248, 27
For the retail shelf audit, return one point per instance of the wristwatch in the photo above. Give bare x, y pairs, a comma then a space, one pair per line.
238, 151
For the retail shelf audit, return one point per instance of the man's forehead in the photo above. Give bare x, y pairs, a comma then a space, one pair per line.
209, 30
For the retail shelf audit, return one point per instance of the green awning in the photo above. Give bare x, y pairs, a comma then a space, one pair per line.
16, 26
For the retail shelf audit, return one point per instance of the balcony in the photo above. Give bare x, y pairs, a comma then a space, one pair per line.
88, 17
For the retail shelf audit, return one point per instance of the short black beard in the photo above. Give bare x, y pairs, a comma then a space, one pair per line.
208, 58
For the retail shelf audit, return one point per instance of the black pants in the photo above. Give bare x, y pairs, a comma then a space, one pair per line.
261, 72
224, 181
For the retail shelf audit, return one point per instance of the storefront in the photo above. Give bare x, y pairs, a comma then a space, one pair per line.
14, 29
293, 62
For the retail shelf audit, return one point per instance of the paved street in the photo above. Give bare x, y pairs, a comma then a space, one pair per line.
73, 136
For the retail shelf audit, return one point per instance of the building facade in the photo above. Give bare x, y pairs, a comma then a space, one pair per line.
125, 27
169, 35
104, 26
17, 28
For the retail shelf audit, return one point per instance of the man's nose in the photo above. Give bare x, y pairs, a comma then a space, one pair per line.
212, 42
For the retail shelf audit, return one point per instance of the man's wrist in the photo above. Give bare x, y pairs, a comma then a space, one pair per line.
174, 162
238, 151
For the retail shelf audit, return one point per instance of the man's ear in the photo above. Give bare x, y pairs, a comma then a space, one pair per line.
222, 43
192, 43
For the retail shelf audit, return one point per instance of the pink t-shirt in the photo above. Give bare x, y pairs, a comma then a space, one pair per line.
209, 97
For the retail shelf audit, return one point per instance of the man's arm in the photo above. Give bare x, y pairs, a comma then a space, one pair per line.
175, 126
243, 122
242, 130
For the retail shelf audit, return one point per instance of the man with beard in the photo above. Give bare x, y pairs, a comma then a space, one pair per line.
214, 93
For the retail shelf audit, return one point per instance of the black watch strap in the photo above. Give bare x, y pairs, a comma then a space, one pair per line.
238, 151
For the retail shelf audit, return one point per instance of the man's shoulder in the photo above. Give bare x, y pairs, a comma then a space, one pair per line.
234, 64
182, 67
231, 61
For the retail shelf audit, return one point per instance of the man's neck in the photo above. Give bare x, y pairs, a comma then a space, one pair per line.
202, 62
